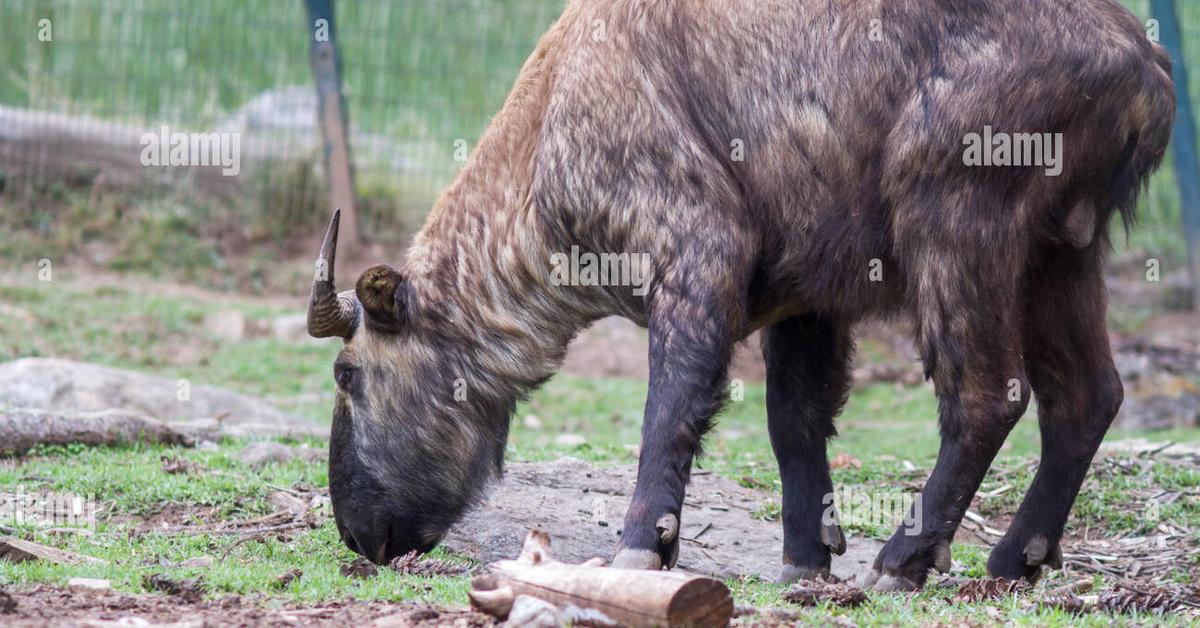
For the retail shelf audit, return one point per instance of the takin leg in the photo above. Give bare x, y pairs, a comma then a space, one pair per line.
969, 337
808, 378
691, 333
1078, 393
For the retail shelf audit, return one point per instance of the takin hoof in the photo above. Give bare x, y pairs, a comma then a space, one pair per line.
909, 576
1008, 563
666, 555
792, 573
834, 541
885, 583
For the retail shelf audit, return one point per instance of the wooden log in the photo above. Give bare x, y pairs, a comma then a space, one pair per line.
602, 596
21, 429
15, 550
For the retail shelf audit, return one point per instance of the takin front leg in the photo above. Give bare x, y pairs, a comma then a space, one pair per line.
691, 337
808, 378
968, 333
1078, 393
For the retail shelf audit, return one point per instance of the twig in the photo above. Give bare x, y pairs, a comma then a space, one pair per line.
228, 550
182, 530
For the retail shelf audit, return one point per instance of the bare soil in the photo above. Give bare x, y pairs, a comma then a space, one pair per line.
53, 606
582, 506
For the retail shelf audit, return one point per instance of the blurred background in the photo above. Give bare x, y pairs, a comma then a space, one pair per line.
420, 80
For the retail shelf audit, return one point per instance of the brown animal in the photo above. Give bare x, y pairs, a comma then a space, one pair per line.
788, 165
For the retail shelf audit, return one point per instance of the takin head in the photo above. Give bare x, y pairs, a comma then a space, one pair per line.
409, 450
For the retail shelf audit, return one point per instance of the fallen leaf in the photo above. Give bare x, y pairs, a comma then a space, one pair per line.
844, 461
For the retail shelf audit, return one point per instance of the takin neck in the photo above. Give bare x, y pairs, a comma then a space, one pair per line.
481, 263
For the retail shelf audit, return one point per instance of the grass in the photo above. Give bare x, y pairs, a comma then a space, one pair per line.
884, 426
419, 74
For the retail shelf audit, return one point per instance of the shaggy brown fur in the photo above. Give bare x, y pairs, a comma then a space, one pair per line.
794, 165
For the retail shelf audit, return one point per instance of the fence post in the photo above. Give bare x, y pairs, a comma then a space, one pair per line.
327, 71
1183, 141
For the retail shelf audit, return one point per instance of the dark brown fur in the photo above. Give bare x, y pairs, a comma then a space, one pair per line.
619, 136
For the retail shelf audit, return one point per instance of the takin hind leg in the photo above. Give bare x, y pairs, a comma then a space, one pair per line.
1078, 393
808, 378
969, 335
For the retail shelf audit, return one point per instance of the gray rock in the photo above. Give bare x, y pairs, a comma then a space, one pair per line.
290, 327
226, 324
259, 454
531, 612
68, 386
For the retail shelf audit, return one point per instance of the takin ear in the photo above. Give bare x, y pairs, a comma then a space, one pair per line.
384, 298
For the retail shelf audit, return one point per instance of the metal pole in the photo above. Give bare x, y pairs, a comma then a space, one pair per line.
1183, 141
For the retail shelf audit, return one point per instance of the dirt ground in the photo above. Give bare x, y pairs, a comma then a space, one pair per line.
51, 606
581, 506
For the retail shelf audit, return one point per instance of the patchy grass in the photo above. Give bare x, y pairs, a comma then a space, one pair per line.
138, 500
890, 430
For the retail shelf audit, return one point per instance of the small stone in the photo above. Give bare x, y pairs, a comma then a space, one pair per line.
260, 454
283, 501
290, 327
93, 584
288, 577
569, 440
531, 612
226, 324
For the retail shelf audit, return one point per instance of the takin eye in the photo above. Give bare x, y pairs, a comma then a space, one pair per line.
345, 376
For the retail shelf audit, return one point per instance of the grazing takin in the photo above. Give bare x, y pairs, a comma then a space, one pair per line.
793, 166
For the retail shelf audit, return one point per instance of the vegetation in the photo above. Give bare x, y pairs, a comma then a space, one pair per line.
889, 429
420, 77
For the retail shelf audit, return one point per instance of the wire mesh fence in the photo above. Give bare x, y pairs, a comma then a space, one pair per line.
82, 82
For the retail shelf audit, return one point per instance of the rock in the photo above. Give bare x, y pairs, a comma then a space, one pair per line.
359, 568
259, 454
91, 584
290, 108
569, 440
531, 612
226, 324
290, 327
283, 501
562, 498
68, 386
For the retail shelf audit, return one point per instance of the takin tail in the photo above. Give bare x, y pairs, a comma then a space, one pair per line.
1149, 113
1151, 117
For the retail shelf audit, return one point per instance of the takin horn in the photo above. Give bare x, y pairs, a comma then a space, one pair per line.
329, 313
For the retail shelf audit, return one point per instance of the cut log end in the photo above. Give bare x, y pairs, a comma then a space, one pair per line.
586, 592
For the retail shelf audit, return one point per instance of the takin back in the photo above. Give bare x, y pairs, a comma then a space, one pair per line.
790, 166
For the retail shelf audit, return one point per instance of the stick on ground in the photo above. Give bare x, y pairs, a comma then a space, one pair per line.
593, 595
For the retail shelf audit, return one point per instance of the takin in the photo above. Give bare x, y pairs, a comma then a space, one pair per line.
790, 166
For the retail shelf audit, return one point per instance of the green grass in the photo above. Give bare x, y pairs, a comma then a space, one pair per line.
129, 484
884, 426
